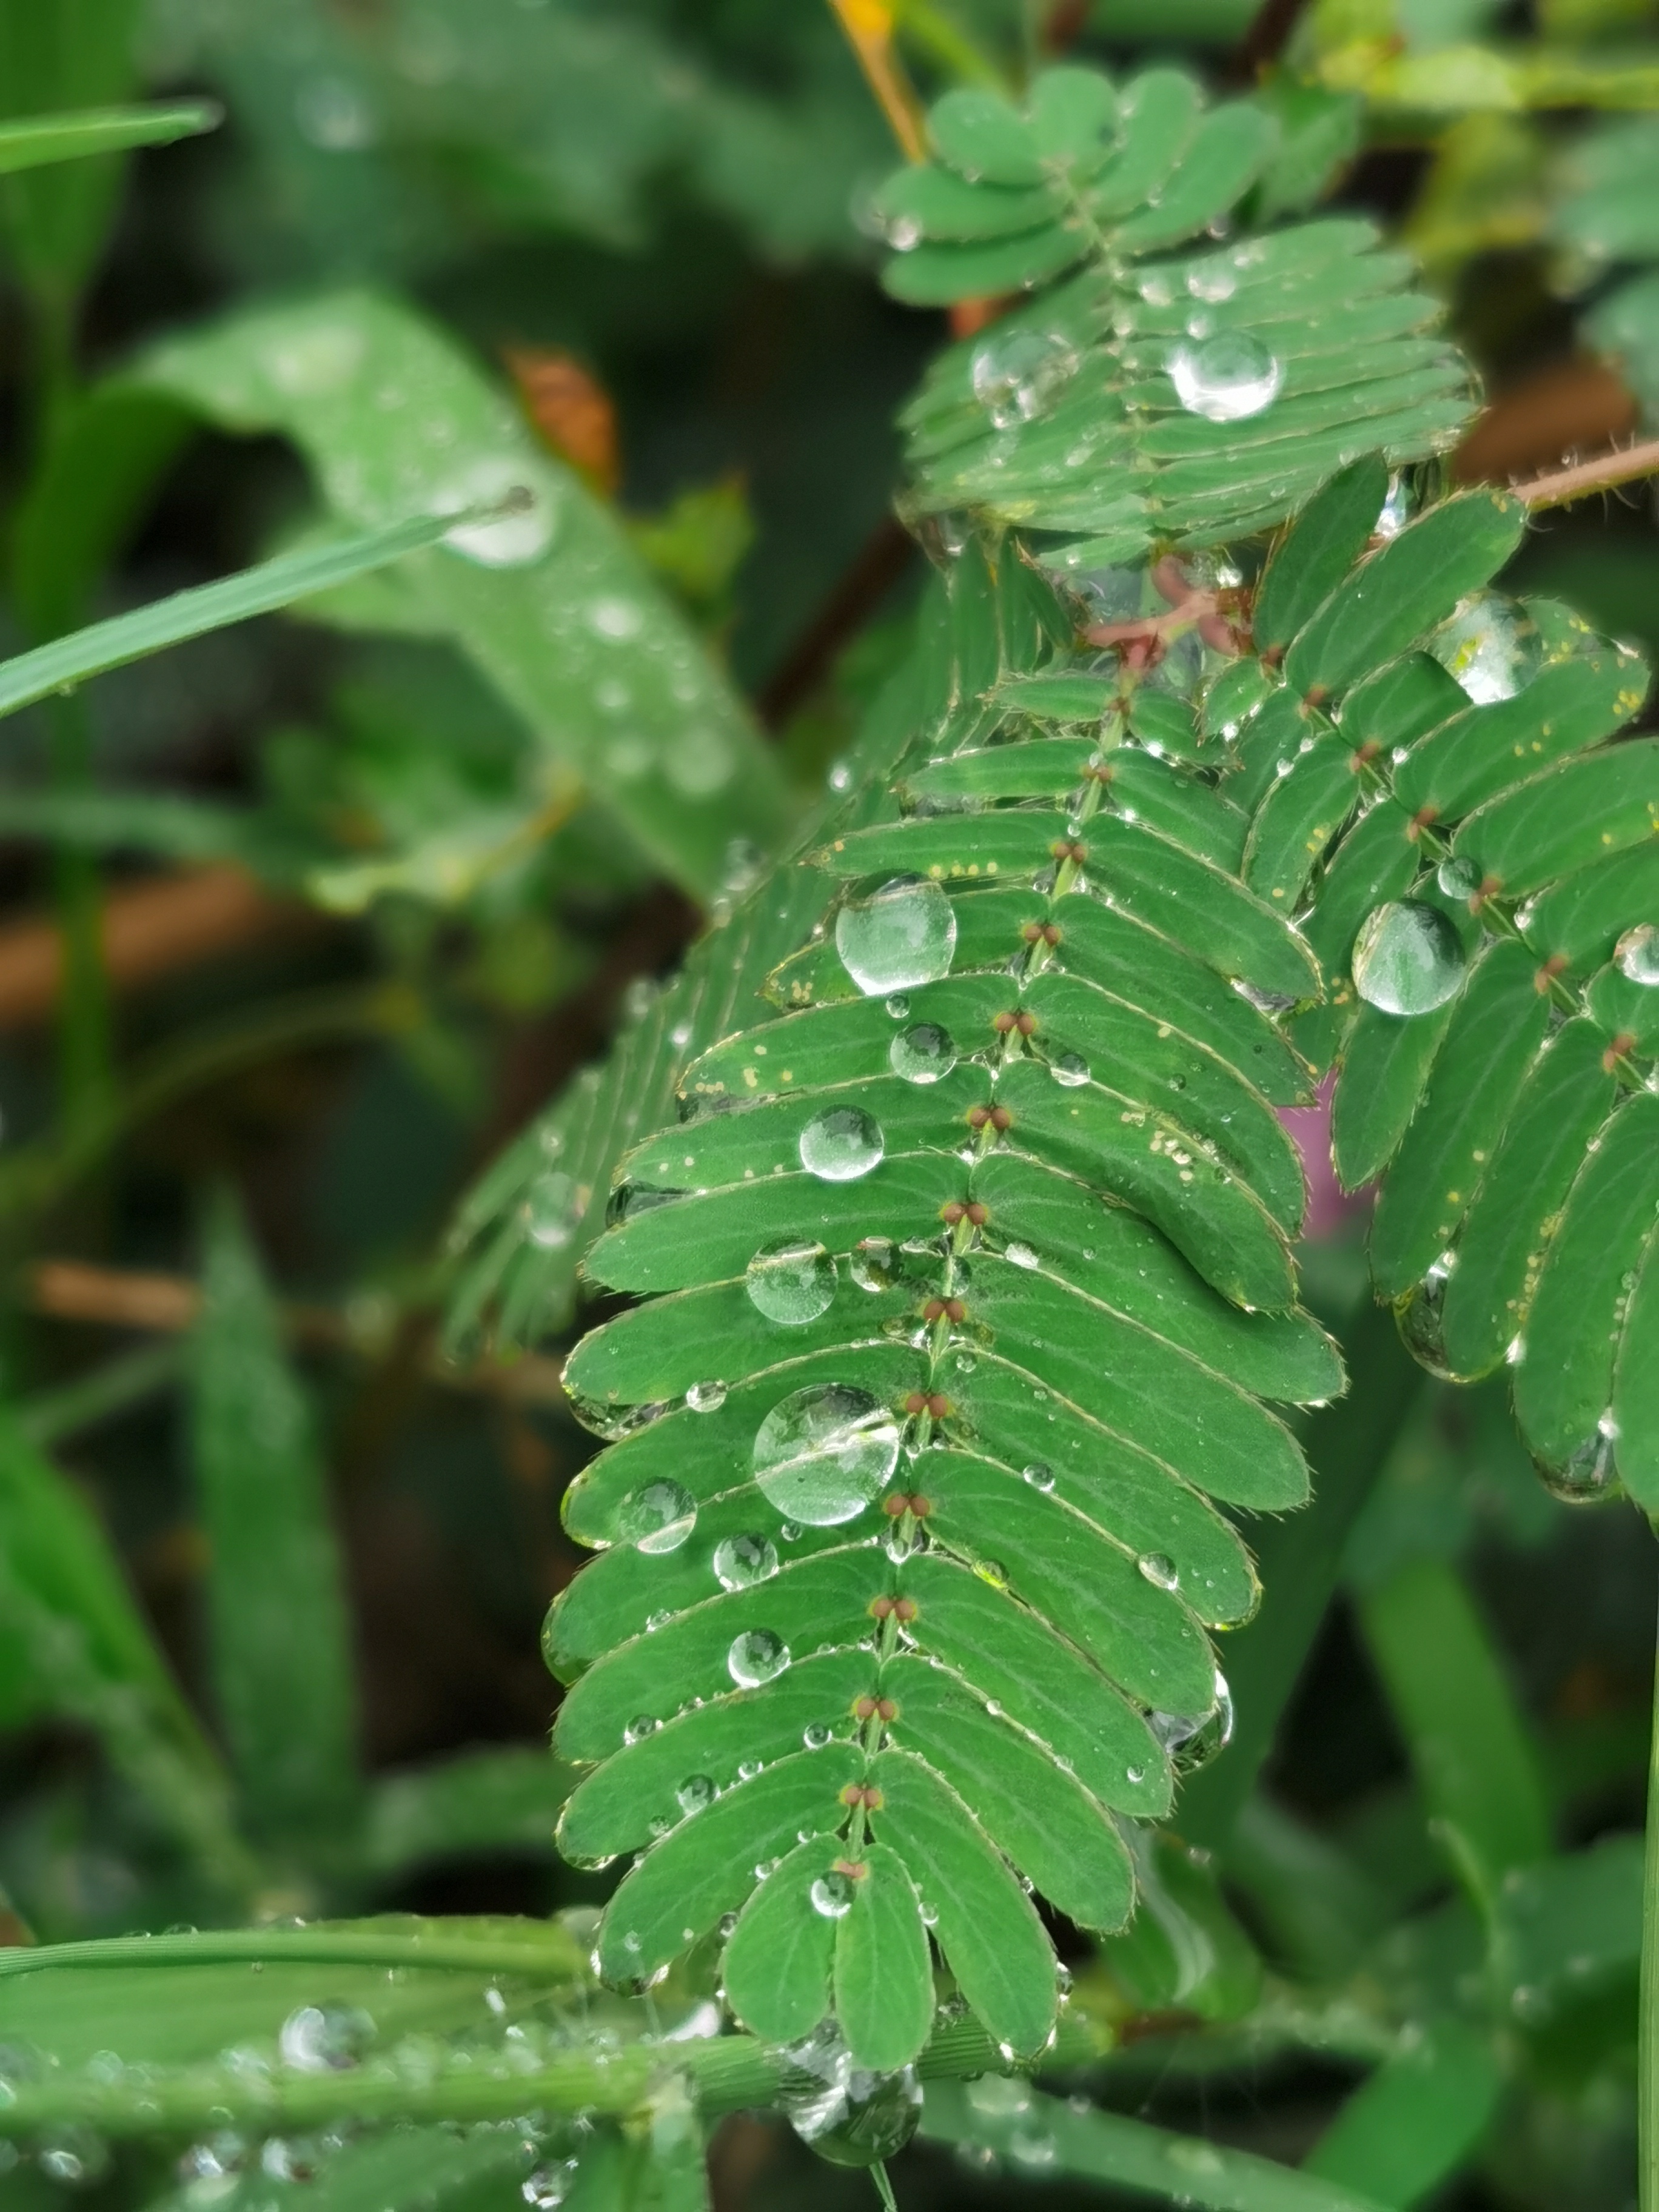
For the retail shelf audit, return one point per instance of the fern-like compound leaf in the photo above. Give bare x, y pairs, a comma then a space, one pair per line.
1159, 387
966, 1278
1443, 781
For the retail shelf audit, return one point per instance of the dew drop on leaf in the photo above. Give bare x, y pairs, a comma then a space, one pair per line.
1070, 1069
1589, 1474
822, 1454
792, 1281
706, 1397
641, 1725
324, 2039
695, 1792
546, 2186
849, 2117
900, 935
1636, 954
875, 1263
898, 1007
832, 1895
1408, 959
1020, 1255
658, 1516
551, 1210
816, 1734
1489, 648
1227, 377
1458, 877
923, 1053
1159, 1570
841, 1144
1017, 373
1040, 1477
756, 1656
741, 1562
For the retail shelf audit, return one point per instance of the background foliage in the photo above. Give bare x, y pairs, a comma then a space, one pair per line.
322, 925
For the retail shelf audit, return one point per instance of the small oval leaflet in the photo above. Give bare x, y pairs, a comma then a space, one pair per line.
822, 1454
756, 1656
1017, 373
1408, 959
1227, 377
900, 935
792, 1281
841, 1144
658, 1516
741, 1562
923, 1053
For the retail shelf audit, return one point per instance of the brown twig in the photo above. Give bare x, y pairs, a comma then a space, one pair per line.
1604, 472
1265, 41
1568, 407
165, 1304
869, 28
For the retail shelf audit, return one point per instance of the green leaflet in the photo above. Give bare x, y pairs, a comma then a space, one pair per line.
977, 1247
1413, 2124
38, 140
551, 603
1510, 813
1190, 397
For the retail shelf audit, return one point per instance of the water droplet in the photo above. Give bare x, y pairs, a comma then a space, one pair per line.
741, 1562
875, 1263
923, 1053
1397, 509
1227, 377
903, 934
1033, 2147
816, 1735
832, 1895
841, 1144
1636, 954
1070, 1069
1017, 373
822, 1454
849, 2117
1490, 648
510, 539
706, 1397
1159, 1570
792, 1281
551, 1210
641, 1725
749, 1770
695, 1792
1211, 281
1458, 877
334, 115
840, 775
324, 2039
1408, 959
1589, 1474
756, 1656
1020, 1255
546, 2186
74, 2156
1192, 1740
658, 1516
1134, 1774
898, 1007
1040, 1477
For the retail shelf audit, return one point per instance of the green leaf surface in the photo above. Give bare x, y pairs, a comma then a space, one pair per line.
883, 1976
1417, 2121
280, 1646
1579, 812
1316, 553
37, 140
1386, 1061
777, 1965
552, 604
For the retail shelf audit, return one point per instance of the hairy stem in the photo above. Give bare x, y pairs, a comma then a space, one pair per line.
1604, 472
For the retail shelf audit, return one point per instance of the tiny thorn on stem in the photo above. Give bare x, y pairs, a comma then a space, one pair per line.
1619, 465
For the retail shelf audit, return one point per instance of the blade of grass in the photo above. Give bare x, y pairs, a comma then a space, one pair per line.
36, 139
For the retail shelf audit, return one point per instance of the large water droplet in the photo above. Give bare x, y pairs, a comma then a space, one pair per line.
1636, 954
793, 1281
903, 934
1458, 877
848, 2118
832, 1895
1226, 377
1159, 1570
1408, 959
324, 2039
841, 1144
822, 1454
551, 1209
1591, 1472
523, 528
658, 1516
756, 1656
1070, 1069
923, 1053
695, 1792
742, 1561
1017, 373
1490, 648
1192, 1740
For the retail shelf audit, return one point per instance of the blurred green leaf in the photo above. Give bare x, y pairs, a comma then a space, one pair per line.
38, 140
1468, 1742
72, 1644
280, 1647
483, 1802
1417, 2121
552, 604
73, 55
